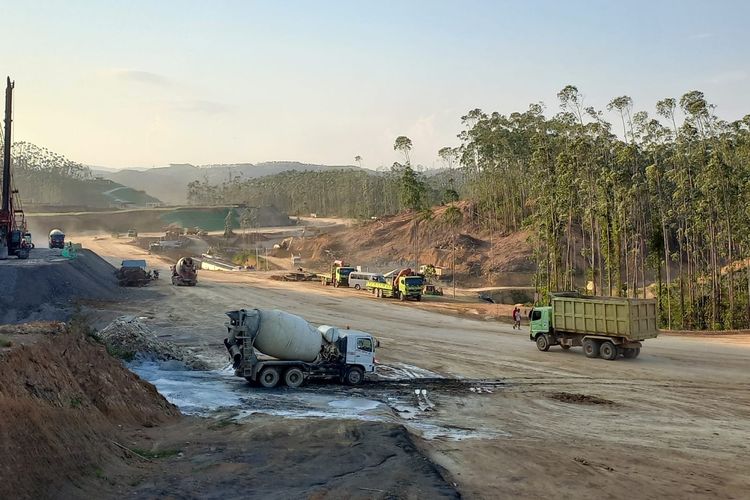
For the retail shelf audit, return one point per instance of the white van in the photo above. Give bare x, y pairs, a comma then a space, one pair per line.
358, 280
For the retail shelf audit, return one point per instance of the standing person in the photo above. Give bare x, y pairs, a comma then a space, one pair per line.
516, 318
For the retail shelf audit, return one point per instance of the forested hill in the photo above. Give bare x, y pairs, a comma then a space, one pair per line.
45, 178
617, 201
168, 183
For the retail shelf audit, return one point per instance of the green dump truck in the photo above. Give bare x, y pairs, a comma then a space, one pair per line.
402, 286
606, 327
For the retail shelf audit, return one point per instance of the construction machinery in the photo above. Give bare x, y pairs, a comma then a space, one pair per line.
402, 285
267, 346
339, 275
184, 272
604, 326
56, 239
133, 272
12, 219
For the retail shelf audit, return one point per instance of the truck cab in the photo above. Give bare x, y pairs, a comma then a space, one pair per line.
410, 287
360, 350
541, 321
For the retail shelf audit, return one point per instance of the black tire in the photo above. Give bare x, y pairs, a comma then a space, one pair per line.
565, 347
380, 293
269, 377
294, 377
591, 348
608, 351
419, 298
542, 343
357, 287
354, 376
631, 352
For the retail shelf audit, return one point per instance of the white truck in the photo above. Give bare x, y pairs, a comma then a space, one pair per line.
268, 346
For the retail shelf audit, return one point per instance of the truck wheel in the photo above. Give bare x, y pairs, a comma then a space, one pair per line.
269, 377
294, 377
542, 343
419, 298
608, 351
631, 352
357, 287
354, 376
591, 348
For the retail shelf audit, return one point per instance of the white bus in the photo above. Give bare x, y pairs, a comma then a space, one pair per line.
358, 280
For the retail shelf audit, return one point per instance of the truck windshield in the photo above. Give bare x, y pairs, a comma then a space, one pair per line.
414, 281
364, 344
344, 271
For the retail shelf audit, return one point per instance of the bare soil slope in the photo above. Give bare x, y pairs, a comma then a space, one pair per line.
63, 403
481, 258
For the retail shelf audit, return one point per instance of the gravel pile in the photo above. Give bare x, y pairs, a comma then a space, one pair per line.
128, 338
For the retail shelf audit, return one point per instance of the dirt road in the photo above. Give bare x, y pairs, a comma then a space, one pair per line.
672, 423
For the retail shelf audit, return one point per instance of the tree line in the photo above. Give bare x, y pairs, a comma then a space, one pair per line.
648, 205
666, 200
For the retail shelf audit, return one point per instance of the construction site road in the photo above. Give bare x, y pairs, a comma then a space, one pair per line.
672, 423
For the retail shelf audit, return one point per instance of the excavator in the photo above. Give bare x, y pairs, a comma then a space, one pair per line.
13, 231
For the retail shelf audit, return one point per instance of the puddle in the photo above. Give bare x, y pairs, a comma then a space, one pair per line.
207, 393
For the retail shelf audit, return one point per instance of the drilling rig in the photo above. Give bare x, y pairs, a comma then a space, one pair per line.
12, 220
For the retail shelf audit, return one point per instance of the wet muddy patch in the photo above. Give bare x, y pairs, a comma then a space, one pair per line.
413, 402
582, 399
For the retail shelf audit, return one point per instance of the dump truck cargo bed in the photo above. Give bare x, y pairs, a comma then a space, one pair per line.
634, 319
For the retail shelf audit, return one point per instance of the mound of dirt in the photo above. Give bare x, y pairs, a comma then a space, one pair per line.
63, 402
482, 258
47, 288
128, 338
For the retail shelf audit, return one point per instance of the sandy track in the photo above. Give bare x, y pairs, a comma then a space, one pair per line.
672, 423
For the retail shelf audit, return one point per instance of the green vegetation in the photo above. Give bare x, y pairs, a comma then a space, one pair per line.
606, 212
654, 202
5, 341
47, 178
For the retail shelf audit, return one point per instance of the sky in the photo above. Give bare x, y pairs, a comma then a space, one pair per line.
148, 83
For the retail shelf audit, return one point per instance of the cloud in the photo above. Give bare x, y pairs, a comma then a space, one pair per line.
137, 76
728, 77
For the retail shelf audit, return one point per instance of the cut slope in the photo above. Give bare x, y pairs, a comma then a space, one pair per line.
482, 258
62, 403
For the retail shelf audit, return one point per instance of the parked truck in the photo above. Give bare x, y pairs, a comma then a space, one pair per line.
339, 275
184, 272
403, 285
268, 346
56, 239
605, 326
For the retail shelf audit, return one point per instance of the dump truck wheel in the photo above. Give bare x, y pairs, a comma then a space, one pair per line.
542, 343
608, 351
631, 352
269, 377
294, 377
591, 348
354, 376
628, 353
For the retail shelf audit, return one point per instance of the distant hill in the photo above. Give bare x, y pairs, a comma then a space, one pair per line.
169, 184
47, 181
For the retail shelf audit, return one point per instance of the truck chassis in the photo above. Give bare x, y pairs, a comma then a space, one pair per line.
594, 346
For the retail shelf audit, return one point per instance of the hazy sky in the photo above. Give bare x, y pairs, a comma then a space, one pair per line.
134, 83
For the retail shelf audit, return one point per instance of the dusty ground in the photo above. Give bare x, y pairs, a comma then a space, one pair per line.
672, 423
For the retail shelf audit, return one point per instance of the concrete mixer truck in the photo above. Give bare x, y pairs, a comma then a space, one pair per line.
268, 346
184, 272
